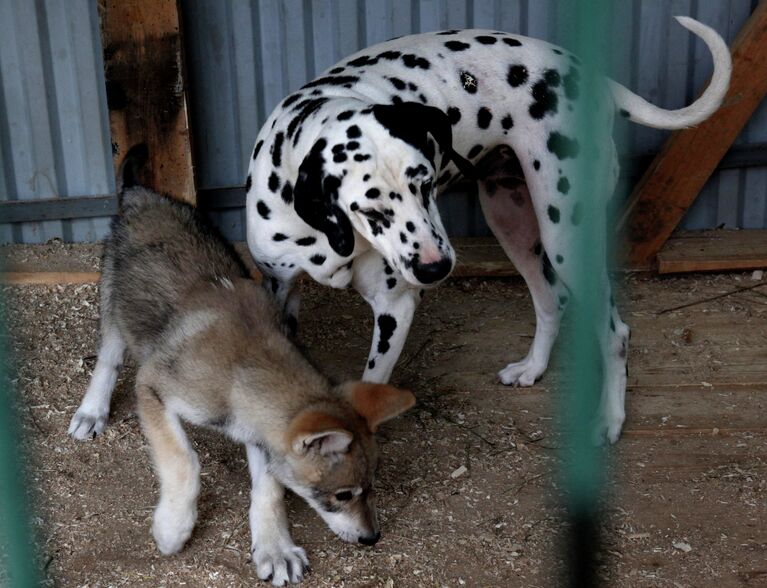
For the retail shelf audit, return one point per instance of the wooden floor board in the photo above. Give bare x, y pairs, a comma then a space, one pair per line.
720, 250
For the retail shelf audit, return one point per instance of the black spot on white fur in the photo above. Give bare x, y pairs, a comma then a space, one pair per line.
546, 100
453, 115
277, 149
274, 182
287, 193
457, 45
414, 62
263, 210
562, 146
387, 324
257, 148
517, 75
484, 117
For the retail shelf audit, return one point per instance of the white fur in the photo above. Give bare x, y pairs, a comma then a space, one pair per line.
647, 114
92, 415
176, 512
274, 554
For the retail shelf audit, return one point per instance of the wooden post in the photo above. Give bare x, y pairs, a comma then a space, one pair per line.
143, 62
690, 156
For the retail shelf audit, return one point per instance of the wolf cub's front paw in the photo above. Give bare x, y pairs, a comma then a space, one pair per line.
86, 426
283, 562
172, 526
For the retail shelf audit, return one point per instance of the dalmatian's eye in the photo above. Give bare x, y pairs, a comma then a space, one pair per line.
344, 495
373, 214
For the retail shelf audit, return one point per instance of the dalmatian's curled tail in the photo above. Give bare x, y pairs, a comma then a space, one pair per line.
640, 111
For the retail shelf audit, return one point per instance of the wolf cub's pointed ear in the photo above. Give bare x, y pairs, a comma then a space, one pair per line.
377, 403
320, 431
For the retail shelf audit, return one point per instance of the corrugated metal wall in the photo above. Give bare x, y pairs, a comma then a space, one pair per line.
54, 129
245, 55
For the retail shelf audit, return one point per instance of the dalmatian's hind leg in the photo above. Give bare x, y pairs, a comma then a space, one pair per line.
559, 218
509, 212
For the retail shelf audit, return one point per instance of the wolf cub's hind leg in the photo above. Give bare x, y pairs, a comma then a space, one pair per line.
91, 417
177, 467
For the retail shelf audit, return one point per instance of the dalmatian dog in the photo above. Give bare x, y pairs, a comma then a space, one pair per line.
345, 172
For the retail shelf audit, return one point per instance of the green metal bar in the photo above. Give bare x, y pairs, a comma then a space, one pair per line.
18, 561
584, 28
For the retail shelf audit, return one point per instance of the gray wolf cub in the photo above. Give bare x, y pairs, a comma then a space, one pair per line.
210, 350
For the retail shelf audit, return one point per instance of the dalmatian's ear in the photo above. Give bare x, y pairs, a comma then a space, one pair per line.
315, 198
410, 121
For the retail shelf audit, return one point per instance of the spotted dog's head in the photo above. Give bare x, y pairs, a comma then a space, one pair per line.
375, 171
333, 456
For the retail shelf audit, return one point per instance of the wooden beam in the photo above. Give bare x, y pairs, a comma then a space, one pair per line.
709, 251
48, 278
143, 62
690, 156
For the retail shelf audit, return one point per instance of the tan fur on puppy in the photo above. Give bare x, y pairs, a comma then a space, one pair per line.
211, 351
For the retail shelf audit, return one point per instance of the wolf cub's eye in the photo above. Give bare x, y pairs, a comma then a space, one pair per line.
344, 495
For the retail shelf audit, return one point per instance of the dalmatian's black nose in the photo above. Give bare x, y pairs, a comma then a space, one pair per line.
428, 273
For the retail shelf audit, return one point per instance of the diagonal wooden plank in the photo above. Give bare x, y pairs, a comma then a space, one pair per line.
690, 156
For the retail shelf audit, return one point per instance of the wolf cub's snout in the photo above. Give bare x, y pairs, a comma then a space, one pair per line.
210, 350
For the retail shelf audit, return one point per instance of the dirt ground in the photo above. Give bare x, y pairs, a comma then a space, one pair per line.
687, 482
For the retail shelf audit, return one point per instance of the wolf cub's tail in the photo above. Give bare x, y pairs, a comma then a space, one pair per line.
130, 193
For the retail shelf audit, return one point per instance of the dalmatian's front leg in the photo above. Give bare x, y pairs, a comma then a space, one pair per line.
286, 293
393, 301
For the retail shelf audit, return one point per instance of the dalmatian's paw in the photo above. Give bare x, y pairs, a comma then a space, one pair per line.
85, 425
283, 562
607, 428
522, 373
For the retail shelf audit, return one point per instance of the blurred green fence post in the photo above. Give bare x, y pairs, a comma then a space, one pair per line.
584, 28
17, 550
